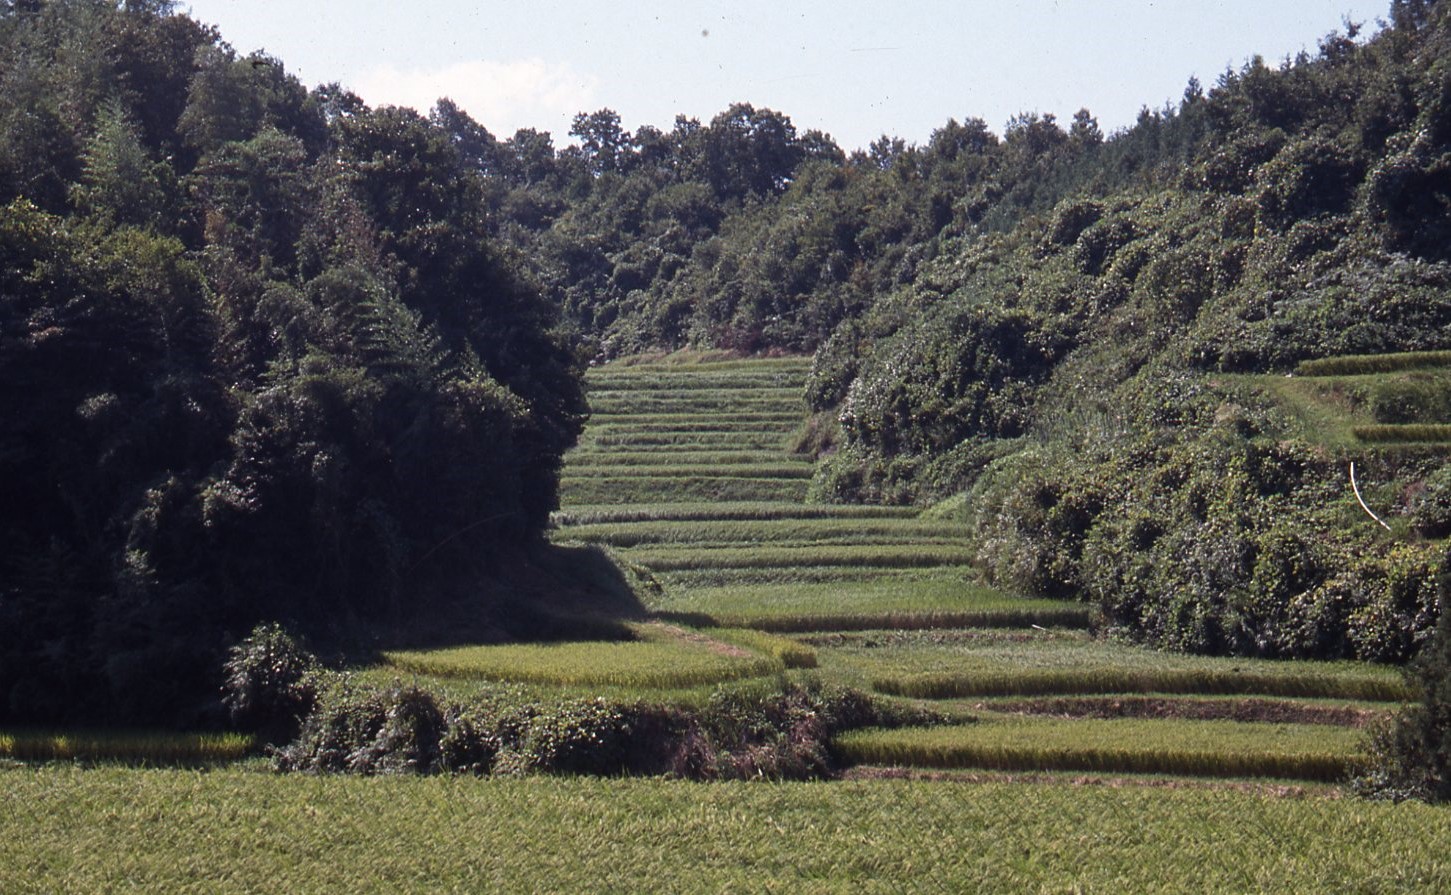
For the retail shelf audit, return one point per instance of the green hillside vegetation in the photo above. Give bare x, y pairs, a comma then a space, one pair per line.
262, 360
719, 454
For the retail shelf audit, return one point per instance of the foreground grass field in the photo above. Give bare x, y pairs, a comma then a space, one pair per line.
72, 830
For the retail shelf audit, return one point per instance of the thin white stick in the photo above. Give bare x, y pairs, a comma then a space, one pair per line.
1356, 489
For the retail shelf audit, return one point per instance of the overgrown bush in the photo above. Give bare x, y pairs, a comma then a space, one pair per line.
271, 683
1410, 757
747, 731
1431, 506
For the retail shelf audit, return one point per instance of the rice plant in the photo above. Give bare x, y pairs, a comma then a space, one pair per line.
124, 746
797, 532
675, 559
664, 658
1194, 748
119, 829
601, 514
1403, 434
1354, 364
643, 489
1126, 680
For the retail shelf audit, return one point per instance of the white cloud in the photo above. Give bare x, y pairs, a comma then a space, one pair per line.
502, 96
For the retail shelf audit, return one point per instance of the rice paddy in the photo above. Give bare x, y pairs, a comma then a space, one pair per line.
662, 657
1153, 746
684, 474
67, 829
1094, 765
144, 747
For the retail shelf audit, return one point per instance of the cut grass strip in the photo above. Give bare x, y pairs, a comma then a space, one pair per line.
680, 559
779, 575
714, 393
1408, 433
124, 746
1050, 616
918, 603
706, 403
784, 469
1195, 748
694, 457
821, 531
1039, 682
1199, 708
617, 489
774, 441
1357, 364
665, 658
692, 512
708, 360
749, 419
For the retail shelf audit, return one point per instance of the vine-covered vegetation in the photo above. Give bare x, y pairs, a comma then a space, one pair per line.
269, 354
261, 360
1075, 336
1056, 323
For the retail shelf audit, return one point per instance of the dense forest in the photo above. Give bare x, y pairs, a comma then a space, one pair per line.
267, 353
260, 362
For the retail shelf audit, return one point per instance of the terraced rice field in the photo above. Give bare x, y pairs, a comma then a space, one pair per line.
684, 474
684, 471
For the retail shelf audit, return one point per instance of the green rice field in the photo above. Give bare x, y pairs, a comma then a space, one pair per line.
1126, 745
1065, 762
67, 829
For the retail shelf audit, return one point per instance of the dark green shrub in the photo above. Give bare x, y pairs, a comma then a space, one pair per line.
271, 683
784, 733
1410, 758
1071, 219
368, 730
1400, 616
470, 742
597, 736
1431, 507
408, 741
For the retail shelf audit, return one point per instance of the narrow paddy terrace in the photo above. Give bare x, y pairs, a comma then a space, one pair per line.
685, 475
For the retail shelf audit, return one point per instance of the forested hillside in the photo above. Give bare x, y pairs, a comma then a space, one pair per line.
1071, 334
267, 353
260, 361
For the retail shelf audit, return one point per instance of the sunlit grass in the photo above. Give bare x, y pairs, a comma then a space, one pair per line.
799, 532
126, 746
923, 602
600, 514
643, 489
662, 657
66, 830
1131, 745
942, 665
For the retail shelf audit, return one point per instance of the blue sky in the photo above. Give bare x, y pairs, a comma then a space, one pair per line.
853, 69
